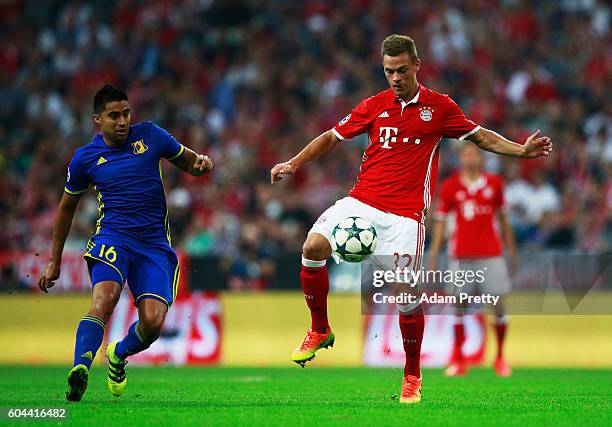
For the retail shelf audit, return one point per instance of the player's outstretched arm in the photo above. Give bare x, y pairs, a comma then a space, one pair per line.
194, 164
534, 146
61, 228
315, 149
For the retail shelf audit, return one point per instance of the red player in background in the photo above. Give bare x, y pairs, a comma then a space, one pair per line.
477, 200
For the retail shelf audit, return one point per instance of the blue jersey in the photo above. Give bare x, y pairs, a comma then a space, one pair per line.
128, 180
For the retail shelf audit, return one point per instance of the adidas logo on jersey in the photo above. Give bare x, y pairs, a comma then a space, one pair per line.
384, 114
101, 160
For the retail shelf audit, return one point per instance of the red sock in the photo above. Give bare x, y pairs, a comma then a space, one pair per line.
412, 326
315, 284
457, 357
500, 333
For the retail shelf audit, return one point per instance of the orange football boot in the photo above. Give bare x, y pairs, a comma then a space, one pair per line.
411, 389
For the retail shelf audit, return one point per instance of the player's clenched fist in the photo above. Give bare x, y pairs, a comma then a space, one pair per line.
203, 163
286, 168
48, 277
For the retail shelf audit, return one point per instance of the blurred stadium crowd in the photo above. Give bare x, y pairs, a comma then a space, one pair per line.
250, 82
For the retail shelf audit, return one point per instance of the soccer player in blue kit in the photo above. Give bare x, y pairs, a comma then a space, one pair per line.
132, 239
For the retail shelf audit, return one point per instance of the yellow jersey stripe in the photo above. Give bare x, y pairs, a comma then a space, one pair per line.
100, 211
178, 154
166, 220
167, 224
175, 281
74, 192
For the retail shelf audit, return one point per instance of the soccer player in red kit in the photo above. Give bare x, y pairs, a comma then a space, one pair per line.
405, 124
477, 199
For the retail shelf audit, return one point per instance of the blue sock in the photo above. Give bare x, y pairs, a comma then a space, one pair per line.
88, 339
132, 343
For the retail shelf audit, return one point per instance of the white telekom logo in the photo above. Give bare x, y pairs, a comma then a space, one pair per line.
389, 134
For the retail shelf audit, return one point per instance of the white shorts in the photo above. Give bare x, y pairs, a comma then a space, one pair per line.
495, 272
400, 239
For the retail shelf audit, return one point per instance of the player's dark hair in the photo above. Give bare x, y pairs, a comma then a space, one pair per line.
396, 44
108, 93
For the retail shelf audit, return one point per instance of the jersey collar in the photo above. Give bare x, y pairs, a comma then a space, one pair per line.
473, 187
419, 96
414, 100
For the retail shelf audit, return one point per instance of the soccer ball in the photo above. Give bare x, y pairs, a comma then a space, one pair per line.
354, 239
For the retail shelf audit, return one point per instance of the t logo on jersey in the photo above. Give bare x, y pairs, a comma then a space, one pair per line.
385, 136
139, 146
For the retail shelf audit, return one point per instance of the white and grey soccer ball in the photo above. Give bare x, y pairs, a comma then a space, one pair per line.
354, 239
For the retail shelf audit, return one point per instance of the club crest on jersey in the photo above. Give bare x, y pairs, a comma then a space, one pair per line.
139, 146
426, 114
344, 120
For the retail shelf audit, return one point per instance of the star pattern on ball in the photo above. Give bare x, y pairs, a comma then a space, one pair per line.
354, 239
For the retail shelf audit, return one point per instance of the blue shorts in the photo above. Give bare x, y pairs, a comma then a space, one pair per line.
151, 271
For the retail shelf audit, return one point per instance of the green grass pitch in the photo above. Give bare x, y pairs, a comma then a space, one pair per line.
315, 396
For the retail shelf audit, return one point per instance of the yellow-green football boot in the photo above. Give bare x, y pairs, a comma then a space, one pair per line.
117, 379
77, 383
313, 342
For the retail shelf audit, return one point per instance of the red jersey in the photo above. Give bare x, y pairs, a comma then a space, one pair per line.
400, 165
475, 234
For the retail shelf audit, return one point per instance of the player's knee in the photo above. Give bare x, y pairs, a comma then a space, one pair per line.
316, 248
151, 325
102, 306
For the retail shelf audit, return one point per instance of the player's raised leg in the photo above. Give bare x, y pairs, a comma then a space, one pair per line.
141, 334
90, 332
315, 284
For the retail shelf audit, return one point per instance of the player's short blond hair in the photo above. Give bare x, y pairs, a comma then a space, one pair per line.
396, 44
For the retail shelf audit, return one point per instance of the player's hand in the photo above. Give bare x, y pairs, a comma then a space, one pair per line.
47, 279
286, 168
537, 146
202, 164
